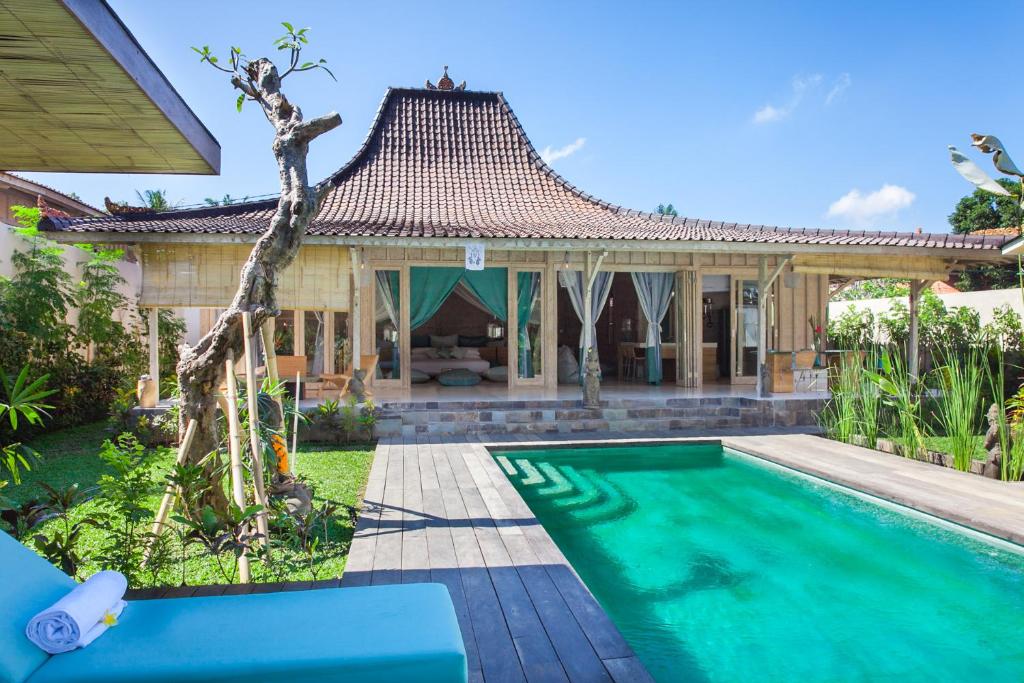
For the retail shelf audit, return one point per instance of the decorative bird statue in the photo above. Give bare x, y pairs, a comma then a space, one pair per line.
973, 173
989, 144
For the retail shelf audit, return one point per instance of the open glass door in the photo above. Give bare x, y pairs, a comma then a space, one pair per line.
387, 308
526, 323
745, 330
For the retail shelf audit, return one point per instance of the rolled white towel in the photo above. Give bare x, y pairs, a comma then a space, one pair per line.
81, 616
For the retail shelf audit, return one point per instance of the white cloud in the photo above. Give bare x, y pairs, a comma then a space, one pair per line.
551, 155
862, 208
800, 85
838, 88
768, 113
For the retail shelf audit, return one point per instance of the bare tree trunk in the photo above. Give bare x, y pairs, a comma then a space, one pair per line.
201, 368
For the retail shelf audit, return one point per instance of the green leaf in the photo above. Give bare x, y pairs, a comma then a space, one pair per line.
239, 102
288, 26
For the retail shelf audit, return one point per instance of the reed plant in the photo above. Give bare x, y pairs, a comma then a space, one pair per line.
839, 417
869, 401
959, 380
900, 393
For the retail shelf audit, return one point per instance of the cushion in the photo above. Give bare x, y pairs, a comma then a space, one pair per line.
497, 374
419, 341
473, 341
460, 377
28, 585
418, 376
406, 633
471, 353
422, 352
438, 341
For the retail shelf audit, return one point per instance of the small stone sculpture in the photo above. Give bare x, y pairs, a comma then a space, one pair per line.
357, 386
993, 465
592, 380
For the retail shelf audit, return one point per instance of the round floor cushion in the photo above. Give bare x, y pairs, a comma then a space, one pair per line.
497, 374
418, 376
460, 377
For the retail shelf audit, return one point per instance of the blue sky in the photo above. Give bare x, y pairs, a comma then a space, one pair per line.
815, 114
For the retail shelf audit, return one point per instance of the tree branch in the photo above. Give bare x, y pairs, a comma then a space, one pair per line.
309, 130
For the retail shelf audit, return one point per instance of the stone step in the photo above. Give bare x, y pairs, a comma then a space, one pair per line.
395, 428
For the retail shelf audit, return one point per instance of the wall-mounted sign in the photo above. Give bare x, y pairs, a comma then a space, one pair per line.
475, 256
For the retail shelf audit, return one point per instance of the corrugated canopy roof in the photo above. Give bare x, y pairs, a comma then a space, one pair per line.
458, 164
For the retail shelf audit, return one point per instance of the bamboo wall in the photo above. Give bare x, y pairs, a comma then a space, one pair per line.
206, 275
791, 330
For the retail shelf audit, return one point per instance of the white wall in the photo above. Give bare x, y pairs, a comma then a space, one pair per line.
74, 257
984, 302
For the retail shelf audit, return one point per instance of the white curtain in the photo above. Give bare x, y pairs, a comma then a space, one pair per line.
572, 280
654, 291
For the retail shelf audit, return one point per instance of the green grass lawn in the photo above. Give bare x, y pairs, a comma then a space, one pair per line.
71, 456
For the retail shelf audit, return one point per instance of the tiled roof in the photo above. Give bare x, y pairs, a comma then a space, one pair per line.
457, 164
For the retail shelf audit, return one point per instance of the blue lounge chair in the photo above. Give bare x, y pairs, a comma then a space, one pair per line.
379, 634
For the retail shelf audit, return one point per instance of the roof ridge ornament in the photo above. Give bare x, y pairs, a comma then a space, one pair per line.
445, 83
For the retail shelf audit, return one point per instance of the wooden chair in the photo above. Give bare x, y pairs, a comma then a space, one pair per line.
338, 382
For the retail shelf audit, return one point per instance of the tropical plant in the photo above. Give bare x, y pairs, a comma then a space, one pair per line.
225, 535
879, 288
839, 417
21, 403
1009, 423
869, 403
227, 200
854, 328
900, 393
667, 210
960, 378
125, 513
61, 546
154, 199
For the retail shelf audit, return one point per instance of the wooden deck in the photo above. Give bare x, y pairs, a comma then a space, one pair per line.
441, 510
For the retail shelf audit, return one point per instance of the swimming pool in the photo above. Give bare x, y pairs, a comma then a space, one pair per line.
719, 566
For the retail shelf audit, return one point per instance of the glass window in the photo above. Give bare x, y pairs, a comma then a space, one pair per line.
342, 349
387, 307
747, 329
284, 334
314, 342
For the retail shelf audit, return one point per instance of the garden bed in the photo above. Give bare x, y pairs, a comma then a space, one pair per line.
978, 464
336, 474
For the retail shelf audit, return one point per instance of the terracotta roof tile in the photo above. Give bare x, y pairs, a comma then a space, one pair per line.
458, 164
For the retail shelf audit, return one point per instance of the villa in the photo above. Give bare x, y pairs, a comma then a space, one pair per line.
448, 171
685, 527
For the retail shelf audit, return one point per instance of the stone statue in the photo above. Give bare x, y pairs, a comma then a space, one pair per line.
592, 380
357, 386
993, 465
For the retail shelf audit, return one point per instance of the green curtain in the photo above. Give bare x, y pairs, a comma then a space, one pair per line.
490, 286
527, 285
429, 287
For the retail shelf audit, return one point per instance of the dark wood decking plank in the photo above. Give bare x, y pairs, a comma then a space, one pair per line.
499, 658
538, 655
387, 555
628, 670
444, 566
415, 563
359, 563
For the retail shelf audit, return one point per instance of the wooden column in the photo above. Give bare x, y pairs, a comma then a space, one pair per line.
154, 348
765, 280
689, 332
913, 343
588, 288
355, 319
549, 334
328, 331
299, 333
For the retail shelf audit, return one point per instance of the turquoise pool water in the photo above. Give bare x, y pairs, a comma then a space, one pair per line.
718, 567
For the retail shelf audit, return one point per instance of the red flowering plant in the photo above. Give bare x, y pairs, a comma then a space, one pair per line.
816, 333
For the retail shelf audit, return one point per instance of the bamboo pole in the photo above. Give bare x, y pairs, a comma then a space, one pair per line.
254, 437
171, 492
295, 423
235, 450
270, 361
